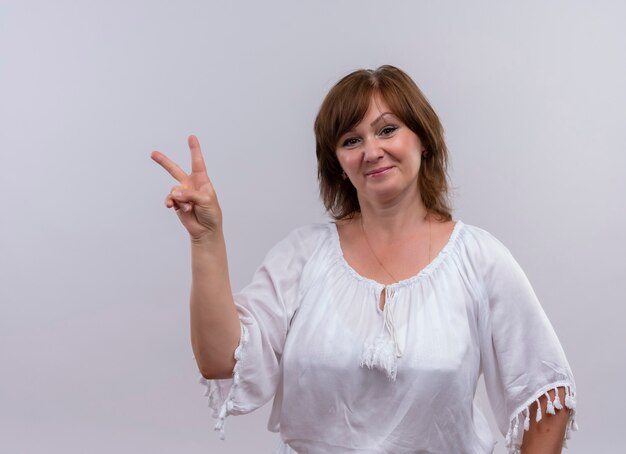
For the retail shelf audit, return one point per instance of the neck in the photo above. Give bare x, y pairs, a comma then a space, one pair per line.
396, 220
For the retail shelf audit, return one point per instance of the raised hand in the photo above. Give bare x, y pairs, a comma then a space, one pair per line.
194, 199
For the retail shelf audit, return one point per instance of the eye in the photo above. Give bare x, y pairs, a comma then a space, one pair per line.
350, 142
387, 130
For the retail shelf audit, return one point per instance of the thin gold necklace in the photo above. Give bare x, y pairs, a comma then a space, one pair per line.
380, 262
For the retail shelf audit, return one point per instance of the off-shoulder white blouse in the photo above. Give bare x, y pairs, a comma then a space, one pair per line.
348, 377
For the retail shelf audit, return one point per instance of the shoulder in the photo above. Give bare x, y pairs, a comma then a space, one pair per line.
481, 243
310, 234
303, 241
480, 235
485, 256
494, 265
314, 230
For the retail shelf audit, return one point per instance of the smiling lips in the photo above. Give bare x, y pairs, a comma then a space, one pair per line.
377, 172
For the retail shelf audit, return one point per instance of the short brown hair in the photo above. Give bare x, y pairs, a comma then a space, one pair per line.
345, 106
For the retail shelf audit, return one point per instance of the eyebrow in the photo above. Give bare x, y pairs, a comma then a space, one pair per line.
381, 116
372, 123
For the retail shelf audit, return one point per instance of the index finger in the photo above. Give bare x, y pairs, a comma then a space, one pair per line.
169, 165
197, 160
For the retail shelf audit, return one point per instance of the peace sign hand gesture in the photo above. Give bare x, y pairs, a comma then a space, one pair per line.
194, 199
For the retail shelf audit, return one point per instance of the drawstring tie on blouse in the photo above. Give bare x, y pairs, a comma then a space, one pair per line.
382, 353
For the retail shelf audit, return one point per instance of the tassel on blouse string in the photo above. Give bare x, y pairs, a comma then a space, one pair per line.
527, 420
569, 399
509, 438
516, 429
538, 418
221, 405
570, 402
388, 319
549, 405
513, 438
557, 400
383, 352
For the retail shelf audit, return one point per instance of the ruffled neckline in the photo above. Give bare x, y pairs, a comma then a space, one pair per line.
428, 269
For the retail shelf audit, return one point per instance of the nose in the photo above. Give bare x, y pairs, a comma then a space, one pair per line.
372, 151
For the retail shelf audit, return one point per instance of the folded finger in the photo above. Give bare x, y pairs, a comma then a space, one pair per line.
171, 203
191, 195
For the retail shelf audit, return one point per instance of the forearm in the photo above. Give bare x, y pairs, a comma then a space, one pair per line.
215, 329
546, 436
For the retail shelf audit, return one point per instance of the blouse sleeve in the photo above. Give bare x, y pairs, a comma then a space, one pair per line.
265, 308
521, 356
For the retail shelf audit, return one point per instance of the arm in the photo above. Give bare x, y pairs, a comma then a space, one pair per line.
521, 356
215, 328
546, 436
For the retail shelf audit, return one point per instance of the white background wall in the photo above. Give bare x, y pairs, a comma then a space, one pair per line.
94, 340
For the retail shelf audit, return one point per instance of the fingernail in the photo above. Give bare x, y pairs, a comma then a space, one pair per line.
186, 208
177, 194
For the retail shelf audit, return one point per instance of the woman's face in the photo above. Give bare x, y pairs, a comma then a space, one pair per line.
381, 155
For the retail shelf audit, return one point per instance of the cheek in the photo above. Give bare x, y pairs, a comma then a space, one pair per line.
348, 160
413, 142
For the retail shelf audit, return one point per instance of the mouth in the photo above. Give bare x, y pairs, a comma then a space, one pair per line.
378, 172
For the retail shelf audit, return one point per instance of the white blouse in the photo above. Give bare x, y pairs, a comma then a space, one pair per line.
348, 377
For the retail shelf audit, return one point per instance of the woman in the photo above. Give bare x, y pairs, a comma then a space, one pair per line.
371, 332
